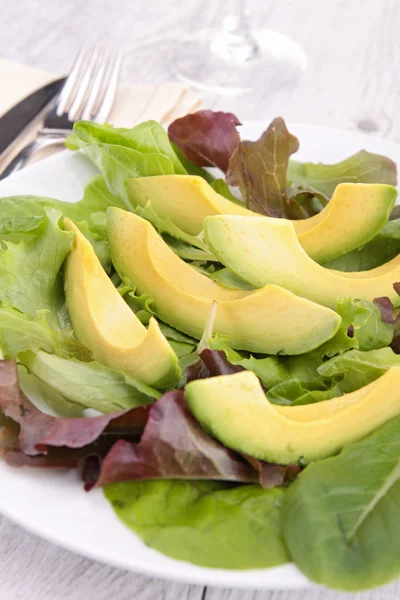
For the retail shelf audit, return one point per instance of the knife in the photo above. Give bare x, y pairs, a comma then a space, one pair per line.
20, 117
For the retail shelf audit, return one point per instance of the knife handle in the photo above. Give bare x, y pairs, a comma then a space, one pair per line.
24, 155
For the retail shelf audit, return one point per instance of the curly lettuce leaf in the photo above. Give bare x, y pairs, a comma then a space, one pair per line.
362, 328
203, 522
147, 137
259, 169
23, 214
341, 518
121, 154
206, 138
355, 369
29, 268
166, 226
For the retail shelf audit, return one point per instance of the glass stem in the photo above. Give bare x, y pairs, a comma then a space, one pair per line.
239, 20
236, 41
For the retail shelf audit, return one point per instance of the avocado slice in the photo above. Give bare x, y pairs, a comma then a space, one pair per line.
353, 216
271, 320
185, 199
104, 323
235, 410
265, 251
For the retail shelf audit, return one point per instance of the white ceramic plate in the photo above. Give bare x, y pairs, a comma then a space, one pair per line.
52, 503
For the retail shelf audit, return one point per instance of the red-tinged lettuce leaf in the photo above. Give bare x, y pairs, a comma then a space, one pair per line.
211, 363
271, 475
57, 458
173, 446
206, 138
259, 169
389, 316
38, 430
386, 307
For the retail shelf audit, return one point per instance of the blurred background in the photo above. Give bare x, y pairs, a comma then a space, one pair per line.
351, 82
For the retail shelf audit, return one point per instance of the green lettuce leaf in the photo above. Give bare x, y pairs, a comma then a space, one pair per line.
181, 348
45, 398
354, 369
139, 303
206, 523
368, 331
229, 279
222, 188
187, 251
20, 332
173, 334
26, 213
275, 370
382, 248
362, 167
166, 226
293, 393
190, 167
147, 137
341, 518
121, 154
29, 269
99, 243
307, 378
88, 384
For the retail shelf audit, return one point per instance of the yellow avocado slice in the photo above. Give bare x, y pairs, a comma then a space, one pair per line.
353, 216
235, 410
269, 320
265, 251
185, 199
103, 321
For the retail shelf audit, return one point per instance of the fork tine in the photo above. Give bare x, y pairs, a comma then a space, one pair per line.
96, 92
70, 82
111, 84
84, 84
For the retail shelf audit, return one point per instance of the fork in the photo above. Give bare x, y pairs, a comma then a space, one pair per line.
88, 93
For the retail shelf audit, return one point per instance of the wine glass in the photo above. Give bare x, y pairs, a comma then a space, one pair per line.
233, 60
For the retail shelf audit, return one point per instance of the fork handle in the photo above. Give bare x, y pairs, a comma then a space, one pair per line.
24, 155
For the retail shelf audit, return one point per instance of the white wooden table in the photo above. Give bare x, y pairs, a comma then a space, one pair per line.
353, 82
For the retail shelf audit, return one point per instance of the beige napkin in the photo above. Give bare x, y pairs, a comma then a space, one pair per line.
134, 102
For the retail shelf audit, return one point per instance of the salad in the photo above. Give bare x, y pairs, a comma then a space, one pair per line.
218, 349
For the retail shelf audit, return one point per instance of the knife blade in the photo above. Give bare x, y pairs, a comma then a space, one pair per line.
15, 121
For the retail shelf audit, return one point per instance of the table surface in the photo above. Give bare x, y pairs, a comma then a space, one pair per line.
352, 82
